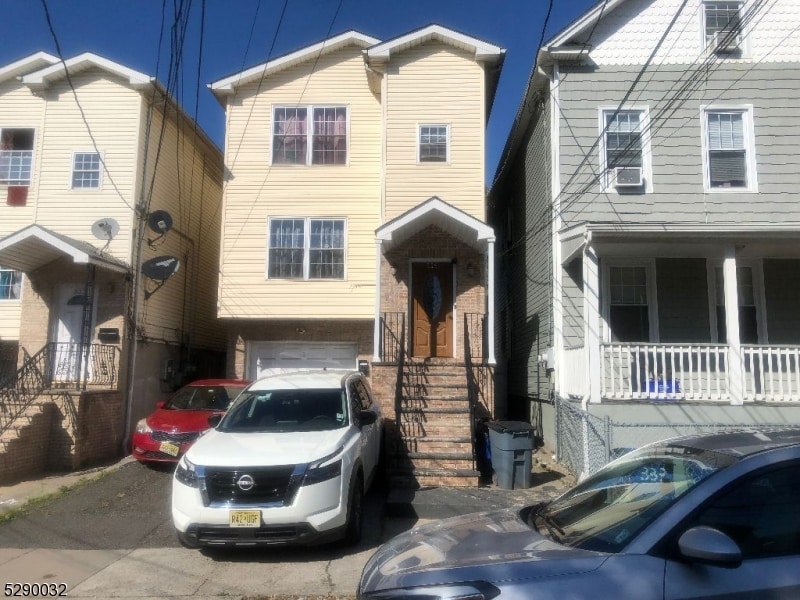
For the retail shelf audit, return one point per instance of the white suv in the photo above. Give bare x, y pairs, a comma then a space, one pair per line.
289, 462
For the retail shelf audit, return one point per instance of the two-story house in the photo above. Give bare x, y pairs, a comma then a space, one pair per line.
354, 230
648, 193
109, 246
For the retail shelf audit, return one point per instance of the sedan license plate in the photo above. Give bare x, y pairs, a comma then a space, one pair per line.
245, 518
169, 448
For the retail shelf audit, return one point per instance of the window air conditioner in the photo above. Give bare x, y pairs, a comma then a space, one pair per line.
725, 42
628, 176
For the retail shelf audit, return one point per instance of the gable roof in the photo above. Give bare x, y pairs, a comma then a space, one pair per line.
45, 77
35, 246
28, 64
483, 51
228, 84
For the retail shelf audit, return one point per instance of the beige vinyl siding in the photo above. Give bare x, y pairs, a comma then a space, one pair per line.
435, 84
20, 108
112, 109
255, 191
186, 176
9, 319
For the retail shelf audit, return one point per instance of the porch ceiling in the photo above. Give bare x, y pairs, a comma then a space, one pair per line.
34, 246
435, 211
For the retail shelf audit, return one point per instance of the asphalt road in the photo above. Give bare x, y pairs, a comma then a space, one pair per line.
113, 538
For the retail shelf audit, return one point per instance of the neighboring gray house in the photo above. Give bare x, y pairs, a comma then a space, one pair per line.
647, 207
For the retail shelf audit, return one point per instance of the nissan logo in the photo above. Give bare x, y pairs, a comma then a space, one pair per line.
246, 482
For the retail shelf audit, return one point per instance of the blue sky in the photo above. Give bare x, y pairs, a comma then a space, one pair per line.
242, 33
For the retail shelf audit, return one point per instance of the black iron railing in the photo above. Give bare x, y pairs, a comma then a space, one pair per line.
474, 335
393, 335
57, 365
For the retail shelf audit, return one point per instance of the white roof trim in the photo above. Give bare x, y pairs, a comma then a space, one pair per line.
46, 76
482, 230
24, 65
483, 50
228, 84
582, 23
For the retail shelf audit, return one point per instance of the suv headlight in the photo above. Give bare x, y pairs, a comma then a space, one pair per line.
324, 468
185, 473
143, 427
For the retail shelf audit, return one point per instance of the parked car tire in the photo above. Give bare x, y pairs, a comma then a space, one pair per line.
355, 513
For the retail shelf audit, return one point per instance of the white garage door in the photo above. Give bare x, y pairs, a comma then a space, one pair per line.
271, 357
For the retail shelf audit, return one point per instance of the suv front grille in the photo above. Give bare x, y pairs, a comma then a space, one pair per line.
270, 485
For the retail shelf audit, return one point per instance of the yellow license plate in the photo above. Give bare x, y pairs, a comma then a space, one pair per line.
245, 518
169, 448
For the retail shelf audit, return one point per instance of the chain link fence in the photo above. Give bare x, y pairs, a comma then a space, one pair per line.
586, 442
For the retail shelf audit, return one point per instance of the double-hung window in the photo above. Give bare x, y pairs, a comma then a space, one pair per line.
433, 143
306, 248
86, 170
10, 284
624, 150
309, 135
729, 156
16, 156
722, 26
628, 306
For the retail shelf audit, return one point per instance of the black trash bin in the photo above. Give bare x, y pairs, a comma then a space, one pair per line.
512, 445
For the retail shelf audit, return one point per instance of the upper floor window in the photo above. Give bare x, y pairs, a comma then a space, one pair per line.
722, 26
16, 156
729, 156
624, 156
433, 143
303, 135
305, 248
86, 169
10, 284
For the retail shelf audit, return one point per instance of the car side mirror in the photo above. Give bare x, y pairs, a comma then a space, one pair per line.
709, 546
367, 417
214, 420
160, 404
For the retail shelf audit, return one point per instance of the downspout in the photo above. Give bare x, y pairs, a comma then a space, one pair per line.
376, 330
490, 309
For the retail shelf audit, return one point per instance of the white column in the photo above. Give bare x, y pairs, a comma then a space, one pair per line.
490, 305
376, 332
734, 366
591, 319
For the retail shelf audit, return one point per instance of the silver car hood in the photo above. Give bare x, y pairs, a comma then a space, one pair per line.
469, 548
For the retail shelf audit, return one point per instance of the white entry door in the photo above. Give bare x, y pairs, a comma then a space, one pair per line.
67, 334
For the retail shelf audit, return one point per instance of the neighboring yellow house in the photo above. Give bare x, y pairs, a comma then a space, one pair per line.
354, 229
101, 172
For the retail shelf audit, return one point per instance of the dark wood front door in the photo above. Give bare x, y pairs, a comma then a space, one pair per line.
432, 309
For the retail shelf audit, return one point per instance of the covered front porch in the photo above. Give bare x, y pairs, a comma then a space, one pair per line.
656, 314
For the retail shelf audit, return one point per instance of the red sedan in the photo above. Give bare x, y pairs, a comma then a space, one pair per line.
169, 431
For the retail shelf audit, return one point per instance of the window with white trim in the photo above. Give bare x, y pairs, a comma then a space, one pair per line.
309, 135
306, 248
628, 308
433, 143
10, 284
722, 26
16, 156
729, 155
624, 147
86, 170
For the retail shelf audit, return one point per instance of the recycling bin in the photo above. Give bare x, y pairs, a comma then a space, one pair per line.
511, 447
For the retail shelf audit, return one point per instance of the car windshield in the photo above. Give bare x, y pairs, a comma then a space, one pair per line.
606, 511
287, 410
208, 397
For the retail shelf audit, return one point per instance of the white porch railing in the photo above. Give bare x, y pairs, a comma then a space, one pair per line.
771, 373
695, 372
664, 371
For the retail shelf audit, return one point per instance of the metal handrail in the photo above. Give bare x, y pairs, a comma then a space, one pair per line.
393, 328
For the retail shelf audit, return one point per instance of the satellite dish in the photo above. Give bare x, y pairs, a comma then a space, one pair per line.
161, 268
105, 229
159, 221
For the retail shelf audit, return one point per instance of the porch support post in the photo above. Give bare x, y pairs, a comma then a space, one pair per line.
734, 366
591, 319
490, 305
376, 331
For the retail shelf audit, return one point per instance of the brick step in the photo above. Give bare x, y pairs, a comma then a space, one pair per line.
421, 446
436, 410
421, 460
434, 428
435, 478
434, 443
444, 395
441, 406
